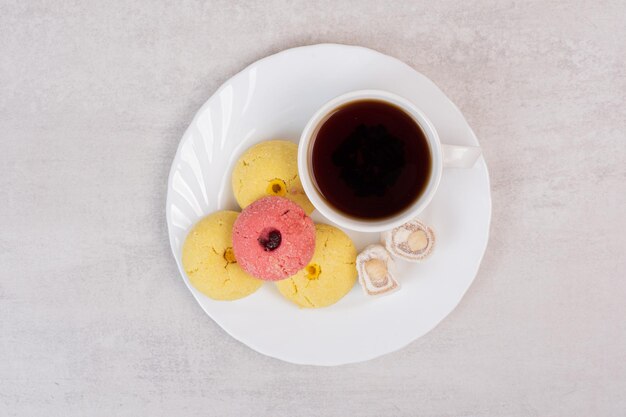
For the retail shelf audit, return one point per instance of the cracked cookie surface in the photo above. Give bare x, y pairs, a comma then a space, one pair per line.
269, 169
330, 274
273, 238
209, 261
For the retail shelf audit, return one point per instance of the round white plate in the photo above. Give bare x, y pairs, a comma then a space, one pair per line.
274, 98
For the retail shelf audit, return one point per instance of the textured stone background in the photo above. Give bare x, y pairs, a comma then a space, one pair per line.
94, 319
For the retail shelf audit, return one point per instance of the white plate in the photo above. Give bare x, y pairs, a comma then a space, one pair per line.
274, 98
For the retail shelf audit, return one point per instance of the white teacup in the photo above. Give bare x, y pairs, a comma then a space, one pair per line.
441, 156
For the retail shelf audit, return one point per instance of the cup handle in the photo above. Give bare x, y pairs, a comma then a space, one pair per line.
459, 156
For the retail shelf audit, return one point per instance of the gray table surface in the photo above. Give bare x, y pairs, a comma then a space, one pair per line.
94, 318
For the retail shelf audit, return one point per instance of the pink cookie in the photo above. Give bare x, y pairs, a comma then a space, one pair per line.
273, 238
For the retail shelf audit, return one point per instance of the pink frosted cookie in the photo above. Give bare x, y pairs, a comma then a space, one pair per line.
273, 238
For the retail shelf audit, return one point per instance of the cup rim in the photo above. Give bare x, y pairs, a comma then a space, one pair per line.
314, 195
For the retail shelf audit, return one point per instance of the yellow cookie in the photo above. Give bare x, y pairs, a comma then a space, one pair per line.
329, 276
209, 260
269, 168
